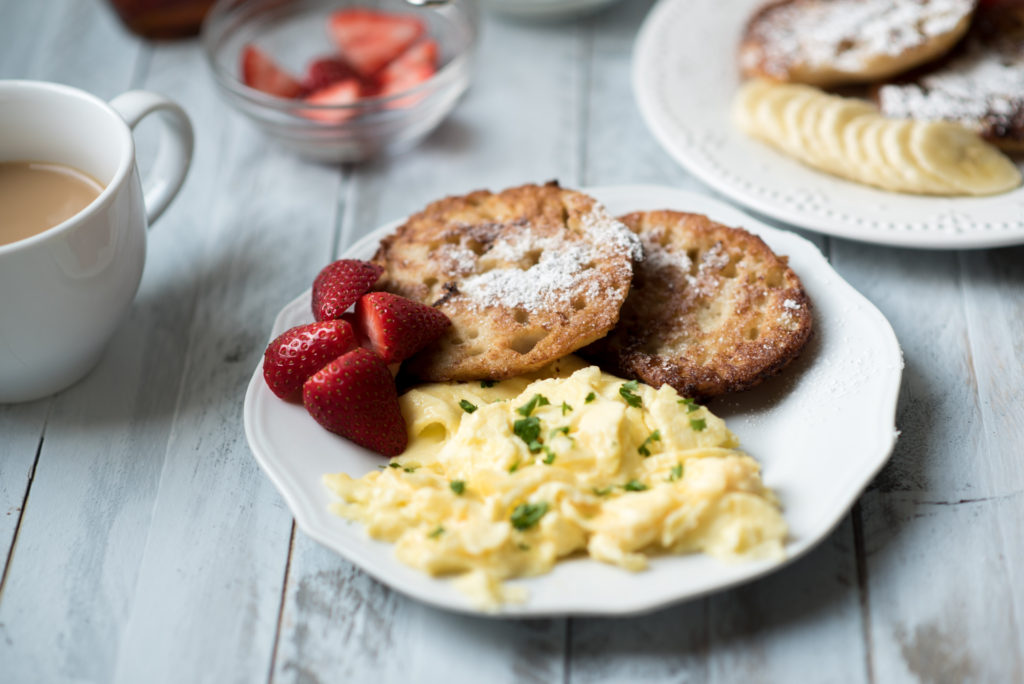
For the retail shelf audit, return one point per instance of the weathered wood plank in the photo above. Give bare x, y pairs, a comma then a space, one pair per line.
337, 623
942, 554
251, 227
80, 516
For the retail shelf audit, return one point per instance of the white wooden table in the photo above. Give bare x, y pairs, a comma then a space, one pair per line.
141, 543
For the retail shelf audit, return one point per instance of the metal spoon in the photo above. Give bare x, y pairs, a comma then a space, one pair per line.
427, 3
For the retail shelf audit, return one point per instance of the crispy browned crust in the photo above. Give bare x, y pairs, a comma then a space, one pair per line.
712, 309
761, 51
486, 260
997, 33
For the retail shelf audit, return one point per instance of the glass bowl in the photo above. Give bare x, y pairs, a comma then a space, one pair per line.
294, 32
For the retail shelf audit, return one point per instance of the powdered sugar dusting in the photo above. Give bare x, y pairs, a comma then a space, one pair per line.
848, 34
534, 273
983, 84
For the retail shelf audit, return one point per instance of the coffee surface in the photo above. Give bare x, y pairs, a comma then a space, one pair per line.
35, 196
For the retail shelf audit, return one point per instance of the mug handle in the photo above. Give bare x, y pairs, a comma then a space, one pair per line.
174, 153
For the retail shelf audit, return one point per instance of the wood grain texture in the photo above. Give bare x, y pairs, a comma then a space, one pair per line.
941, 559
68, 579
209, 584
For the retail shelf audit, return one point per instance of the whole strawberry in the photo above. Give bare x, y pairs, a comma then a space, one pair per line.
354, 396
339, 285
303, 350
397, 327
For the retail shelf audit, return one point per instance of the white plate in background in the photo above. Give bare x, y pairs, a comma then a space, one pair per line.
821, 430
684, 77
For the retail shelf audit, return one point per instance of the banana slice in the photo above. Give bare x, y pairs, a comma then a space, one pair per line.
768, 116
745, 104
850, 139
828, 130
897, 153
879, 170
962, 159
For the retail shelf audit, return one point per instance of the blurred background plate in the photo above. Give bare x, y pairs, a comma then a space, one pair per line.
684, 77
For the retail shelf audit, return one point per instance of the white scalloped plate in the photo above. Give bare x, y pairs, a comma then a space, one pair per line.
684, 78
821, 431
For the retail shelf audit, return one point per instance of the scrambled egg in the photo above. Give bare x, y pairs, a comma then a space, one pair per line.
502, 480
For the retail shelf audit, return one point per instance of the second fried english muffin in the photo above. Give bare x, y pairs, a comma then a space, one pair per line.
712, 308
835, 42
526, 275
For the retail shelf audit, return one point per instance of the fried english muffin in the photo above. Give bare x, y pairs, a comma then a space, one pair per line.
980, 85
712, 309
526, 276
834, 42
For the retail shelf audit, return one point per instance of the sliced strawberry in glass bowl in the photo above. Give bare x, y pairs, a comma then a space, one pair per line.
341, 81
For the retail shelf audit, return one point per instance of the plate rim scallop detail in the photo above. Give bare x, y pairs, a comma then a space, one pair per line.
294, 452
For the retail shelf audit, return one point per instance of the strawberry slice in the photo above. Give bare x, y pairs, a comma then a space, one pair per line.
298, 353
355, 396
340, 284
327, 71
341, 93
369, 39
398, 327
413, 67
259, 71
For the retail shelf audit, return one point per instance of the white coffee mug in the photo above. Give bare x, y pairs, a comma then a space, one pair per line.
64, 291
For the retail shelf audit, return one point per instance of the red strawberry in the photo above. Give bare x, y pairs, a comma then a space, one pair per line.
398, 327
369, 39
327, 71
260, 72
414, 66
298, 353
341, 93
340, 284
355, 396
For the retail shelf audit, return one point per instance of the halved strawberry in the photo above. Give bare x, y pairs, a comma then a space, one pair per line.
259, 71
327, 71
414, 66
340, 284
398, 327
369, 39
355, 396
341, 93
298, 353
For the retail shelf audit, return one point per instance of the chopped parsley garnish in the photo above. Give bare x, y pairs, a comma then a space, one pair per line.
526, 515
527, 408
523, 547
394, 464
698, 424
564, 430
514, 467
550, 458
411, 468
627, 392
457, 486
436, 533
466, 406
590, 397
603, 491
634, 486
486, 383
565, 408
528, 430
643, 449
676, 473
690, 404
